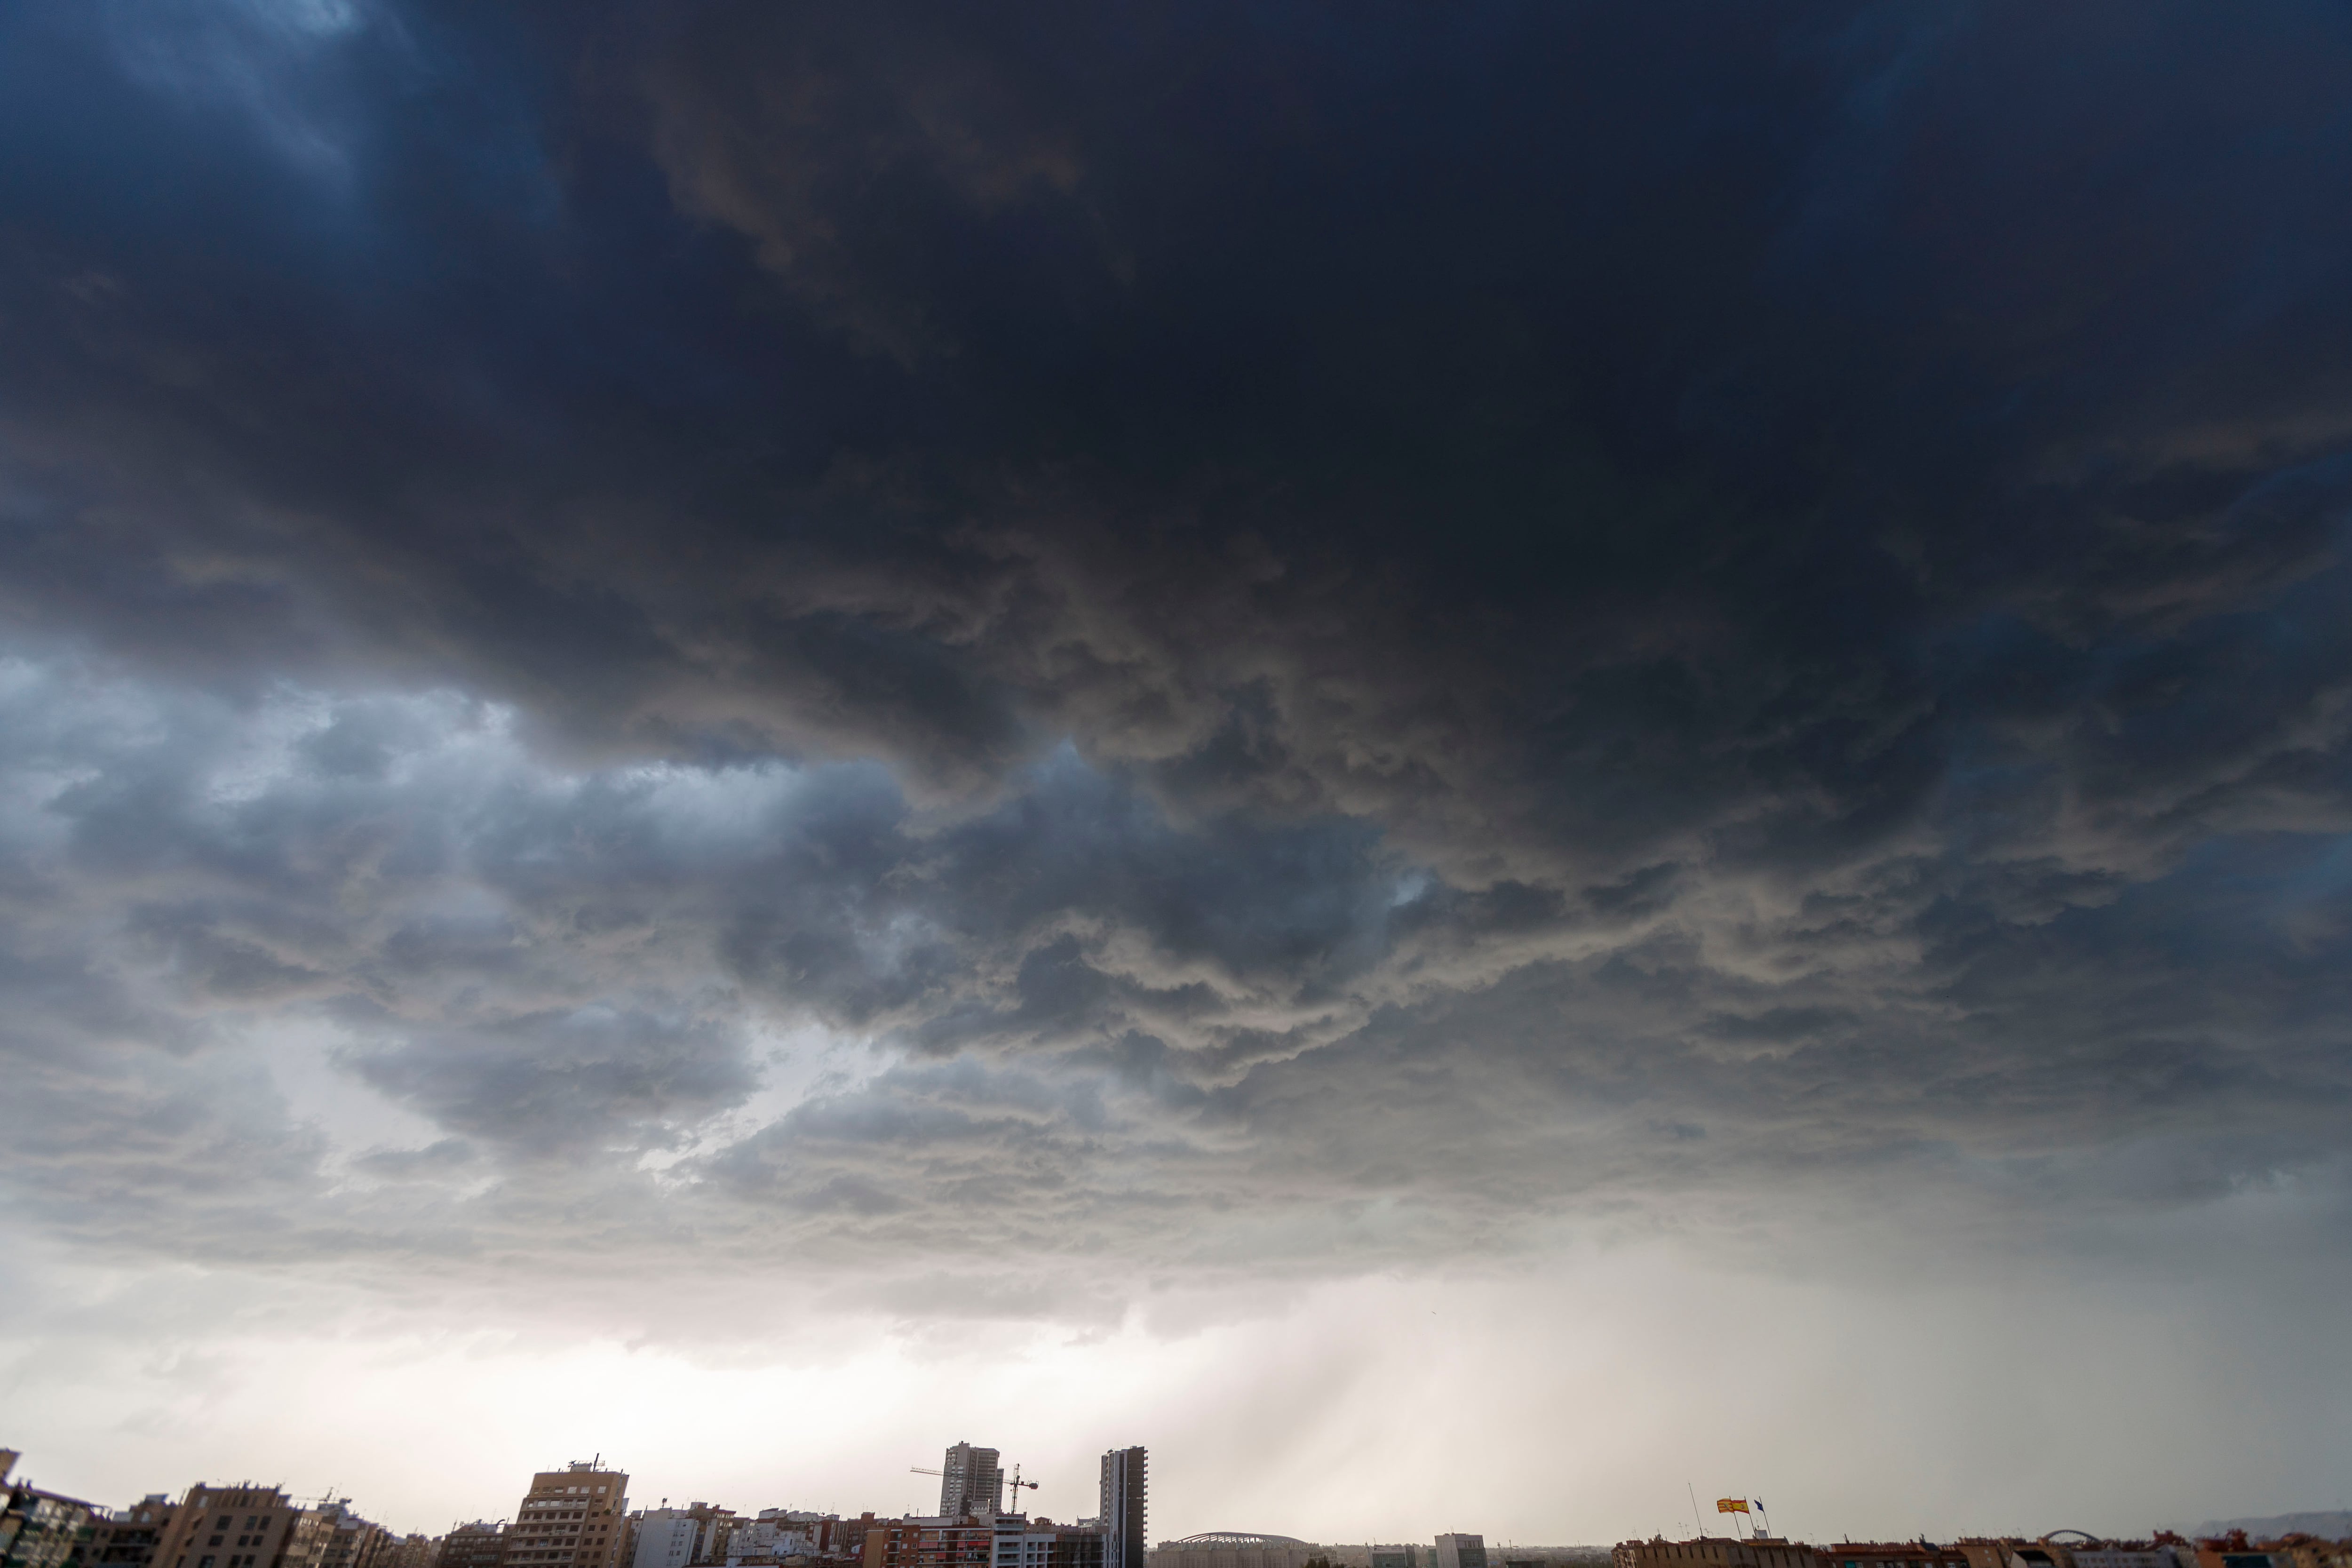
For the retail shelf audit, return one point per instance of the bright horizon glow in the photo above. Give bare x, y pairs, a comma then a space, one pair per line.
1261, 1414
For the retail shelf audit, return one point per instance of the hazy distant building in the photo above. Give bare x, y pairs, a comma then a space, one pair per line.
676, 1537
40, 1529
1080, 1545
1125, 1490
1405, 1556
846, 1539
228, 1527
1461, 1551
480, 1544
571, 1518
776, 1536
246, 1527
1905, 1554
972, 1480
330, 1535
1716, 1551
955, 1540
129, 1538
1234, 1549
2124, 1554
978, 1541
1046, 1544
889, 1543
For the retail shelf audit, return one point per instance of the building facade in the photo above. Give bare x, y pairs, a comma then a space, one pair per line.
888, 1543
129, 1537
41, 1529
1124, 1512
676, 1537
1892, 1554
1715, 1551
330, 1535
1235, 1548
1461, 1551
972, 1482
228, 1527
480, 1544
571, 1518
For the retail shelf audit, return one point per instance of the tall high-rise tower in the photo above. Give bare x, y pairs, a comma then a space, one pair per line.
970, 1481
1123, 1487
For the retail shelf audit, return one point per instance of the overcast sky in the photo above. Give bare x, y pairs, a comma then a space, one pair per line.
1472, 762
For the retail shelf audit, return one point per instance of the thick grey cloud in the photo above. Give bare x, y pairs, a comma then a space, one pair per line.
993, 659
1229, 1046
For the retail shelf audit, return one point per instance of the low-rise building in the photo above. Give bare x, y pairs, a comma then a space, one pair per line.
330, 1535
1234, 1549
240, 1526
888, 1543
1892, 1554
482, 1544
846, 1538
1715, 1551
677, 1537
2124, 1554
129, 1537
772, 1537
42, 1529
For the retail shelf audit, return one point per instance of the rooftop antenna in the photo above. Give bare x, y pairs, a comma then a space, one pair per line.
1696, 1518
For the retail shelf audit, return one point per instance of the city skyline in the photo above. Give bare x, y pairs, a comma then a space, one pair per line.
1700, 1521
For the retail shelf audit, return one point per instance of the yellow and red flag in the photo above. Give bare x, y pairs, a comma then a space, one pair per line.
1731, 1505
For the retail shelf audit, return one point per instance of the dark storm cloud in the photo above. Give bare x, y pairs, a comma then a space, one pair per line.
1293, 611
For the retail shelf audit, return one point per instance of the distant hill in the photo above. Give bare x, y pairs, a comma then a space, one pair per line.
2334, 1526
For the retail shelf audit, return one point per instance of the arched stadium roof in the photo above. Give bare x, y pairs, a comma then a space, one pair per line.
1237, 1538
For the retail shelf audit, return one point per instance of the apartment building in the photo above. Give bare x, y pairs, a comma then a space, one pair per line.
676, 1537
480, 1544
42, 1529
1124, 1508
972, 1482
241, 1526
129, 1537
330, 1535
571, 1518
1901, 1554
1715, 1551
